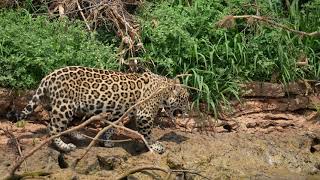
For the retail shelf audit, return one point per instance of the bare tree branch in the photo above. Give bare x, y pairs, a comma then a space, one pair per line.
228, 21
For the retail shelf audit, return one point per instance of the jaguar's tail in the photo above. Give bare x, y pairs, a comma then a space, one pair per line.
32, 104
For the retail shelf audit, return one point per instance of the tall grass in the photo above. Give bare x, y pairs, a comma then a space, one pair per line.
181, 37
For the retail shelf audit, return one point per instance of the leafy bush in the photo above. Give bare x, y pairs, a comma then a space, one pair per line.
31, 47
182, 37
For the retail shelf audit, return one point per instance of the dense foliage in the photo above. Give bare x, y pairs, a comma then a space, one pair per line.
179, 36
31, 47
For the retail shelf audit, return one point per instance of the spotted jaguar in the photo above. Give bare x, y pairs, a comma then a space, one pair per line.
72, 90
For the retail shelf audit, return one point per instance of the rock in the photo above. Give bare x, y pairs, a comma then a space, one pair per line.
262, 89
315, 148
109, 162
174, 161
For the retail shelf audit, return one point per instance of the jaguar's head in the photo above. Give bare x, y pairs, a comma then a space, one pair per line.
178, 101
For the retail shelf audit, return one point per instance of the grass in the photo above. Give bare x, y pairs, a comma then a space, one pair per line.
183, 38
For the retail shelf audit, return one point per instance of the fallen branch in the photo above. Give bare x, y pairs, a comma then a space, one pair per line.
32, 151
228, 21
168, 171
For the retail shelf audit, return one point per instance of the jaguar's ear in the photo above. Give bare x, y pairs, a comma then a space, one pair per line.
175, 90
177, 81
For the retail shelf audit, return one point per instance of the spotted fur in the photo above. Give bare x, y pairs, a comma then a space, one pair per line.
83, 90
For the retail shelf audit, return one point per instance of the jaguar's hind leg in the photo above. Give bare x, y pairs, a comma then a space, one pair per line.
59, 122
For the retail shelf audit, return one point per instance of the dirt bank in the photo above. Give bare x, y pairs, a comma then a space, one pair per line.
261, 152
272, 134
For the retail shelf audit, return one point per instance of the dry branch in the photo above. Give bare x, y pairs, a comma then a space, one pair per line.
10, 135
228, 21
96, 13
32, 151
83, 17
168, 171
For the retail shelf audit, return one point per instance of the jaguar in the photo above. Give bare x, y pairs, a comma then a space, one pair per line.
75, 89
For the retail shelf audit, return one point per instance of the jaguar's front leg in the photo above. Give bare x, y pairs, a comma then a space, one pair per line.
145, 125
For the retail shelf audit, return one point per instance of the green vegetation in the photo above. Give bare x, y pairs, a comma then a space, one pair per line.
31, 47
184, 38
179, 36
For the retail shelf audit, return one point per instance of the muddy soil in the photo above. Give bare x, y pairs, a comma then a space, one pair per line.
262, 146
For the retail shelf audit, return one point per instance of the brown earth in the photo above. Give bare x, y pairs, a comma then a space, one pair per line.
271, 137
284, 147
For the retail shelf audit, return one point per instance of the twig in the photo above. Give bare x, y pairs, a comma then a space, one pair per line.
83, 17
189, 87
61, 10
12, 136
227, 19
182, 75
116, 122
103, 140
17, 143
70, 12
168, 171
132, 131
32, 151
138, 169
191, 172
